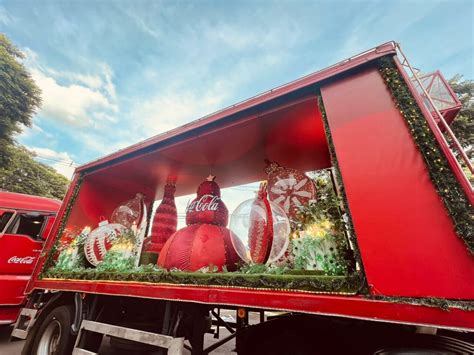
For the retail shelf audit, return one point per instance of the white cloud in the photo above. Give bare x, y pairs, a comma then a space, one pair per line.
60, 161
91, 81
70, 104
76, 99
167, 111
185, 101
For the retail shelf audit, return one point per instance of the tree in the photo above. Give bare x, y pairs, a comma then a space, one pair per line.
463, 125
19, 94
19, 100
21, 173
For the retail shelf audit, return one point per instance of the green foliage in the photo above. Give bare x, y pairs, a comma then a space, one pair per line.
19, 95
115, 261
463, 125
19, 172
19, 99
318, 254
264, 269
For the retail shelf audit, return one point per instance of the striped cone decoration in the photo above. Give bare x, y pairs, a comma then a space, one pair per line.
165, 221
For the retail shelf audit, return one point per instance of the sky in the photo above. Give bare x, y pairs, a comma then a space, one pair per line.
113, 73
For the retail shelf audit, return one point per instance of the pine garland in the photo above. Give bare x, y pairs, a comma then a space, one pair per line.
441, 303
456, 202
54, 248
319, 283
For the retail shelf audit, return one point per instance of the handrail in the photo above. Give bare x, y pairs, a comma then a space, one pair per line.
440, 116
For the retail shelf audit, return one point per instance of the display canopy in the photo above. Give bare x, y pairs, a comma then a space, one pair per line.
233, 150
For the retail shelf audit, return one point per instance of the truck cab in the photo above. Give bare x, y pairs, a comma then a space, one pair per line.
25, 222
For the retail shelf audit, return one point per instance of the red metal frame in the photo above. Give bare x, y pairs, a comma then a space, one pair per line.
450, 113
334, 305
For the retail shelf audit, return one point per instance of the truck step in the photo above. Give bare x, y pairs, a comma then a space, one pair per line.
24, 322
175, 346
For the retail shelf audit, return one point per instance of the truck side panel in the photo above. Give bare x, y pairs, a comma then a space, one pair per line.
406, 237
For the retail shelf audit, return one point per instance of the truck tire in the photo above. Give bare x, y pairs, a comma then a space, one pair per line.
427, 344
54, 335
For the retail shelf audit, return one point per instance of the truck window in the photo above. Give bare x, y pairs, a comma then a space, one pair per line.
27, 225
4, 218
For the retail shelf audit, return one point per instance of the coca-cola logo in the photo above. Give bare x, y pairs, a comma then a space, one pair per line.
24, 260
204, 204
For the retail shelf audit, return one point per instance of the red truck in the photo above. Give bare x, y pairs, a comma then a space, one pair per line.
25, 222
360, 237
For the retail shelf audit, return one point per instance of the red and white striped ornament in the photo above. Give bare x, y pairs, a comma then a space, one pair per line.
100, 240
261, 228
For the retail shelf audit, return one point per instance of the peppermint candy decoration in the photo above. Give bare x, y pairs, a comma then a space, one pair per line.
289, 188
100, 240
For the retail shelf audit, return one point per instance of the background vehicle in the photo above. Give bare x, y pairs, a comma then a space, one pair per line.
406, 204
25, 222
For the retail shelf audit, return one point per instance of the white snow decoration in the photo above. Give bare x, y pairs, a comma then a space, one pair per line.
302, 193
301, 184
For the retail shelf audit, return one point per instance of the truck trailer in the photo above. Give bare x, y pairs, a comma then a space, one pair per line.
345, 222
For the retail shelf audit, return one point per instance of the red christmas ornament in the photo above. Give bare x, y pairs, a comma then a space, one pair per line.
289, 188
261, 228
207, 207
197, 246
165, 221
205, 241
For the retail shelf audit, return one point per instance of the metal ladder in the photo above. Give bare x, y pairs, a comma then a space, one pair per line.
175, 346
23, 324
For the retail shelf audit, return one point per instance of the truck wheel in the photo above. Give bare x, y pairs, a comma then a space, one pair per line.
427, 344
54, 335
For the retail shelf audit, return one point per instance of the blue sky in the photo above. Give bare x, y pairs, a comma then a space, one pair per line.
116, 72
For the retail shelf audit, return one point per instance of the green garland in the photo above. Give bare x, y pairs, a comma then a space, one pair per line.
54, 248
441, 303
349, 225
448, 187
319, 283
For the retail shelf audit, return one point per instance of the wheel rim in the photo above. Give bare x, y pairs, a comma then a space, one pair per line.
48, 344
